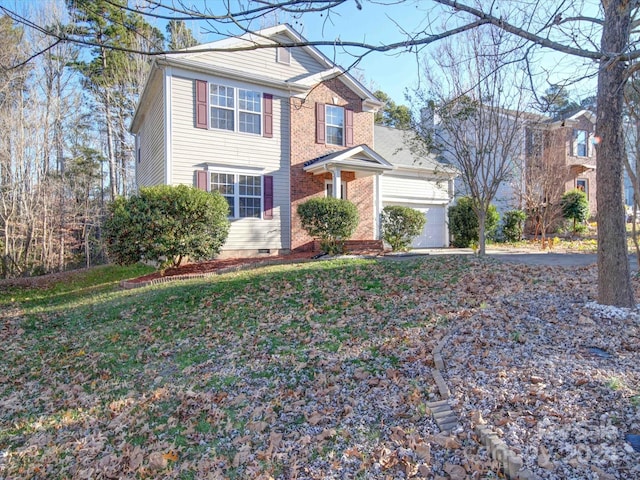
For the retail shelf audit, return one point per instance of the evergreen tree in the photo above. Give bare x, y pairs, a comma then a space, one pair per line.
180, 36
557, 102
392, 114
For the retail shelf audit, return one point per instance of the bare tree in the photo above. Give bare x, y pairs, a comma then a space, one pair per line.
545, 172
479, 126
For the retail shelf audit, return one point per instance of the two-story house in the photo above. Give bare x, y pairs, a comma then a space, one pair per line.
270, 126
561, 156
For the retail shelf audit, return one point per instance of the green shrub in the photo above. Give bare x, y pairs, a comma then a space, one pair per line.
330, 220
166, 224
513, 225
400, 225
463, 223
575, 206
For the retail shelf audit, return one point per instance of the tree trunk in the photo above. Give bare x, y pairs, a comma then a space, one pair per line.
482, 221
614, 280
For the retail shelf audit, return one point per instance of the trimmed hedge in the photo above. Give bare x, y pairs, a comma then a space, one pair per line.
575, 206
330, 220
400, 225
463, 223
165, 224
513, 225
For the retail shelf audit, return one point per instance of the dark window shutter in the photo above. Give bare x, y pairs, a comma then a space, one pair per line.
201, 104
348, 127
267, 213
574, 135
202, 179
320, 123
267, 118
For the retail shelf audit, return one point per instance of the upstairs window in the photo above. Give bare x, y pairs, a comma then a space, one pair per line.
582, 147
249, 109
335, 125
222, 107
235, 109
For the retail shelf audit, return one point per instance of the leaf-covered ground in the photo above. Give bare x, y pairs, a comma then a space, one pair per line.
314, 370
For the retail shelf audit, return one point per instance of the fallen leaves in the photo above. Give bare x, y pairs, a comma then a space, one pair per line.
295, 373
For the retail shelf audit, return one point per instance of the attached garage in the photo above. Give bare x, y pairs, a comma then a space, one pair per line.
421, 183
435, 233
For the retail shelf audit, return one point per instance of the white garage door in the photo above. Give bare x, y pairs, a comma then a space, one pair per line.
434, 233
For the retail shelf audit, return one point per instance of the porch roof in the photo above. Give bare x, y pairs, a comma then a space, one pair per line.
360, 159
580, 168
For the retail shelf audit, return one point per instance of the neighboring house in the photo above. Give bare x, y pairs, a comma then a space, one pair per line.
563, 149
549, 157
269, 128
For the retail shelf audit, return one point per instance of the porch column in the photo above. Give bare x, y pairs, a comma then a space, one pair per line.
377, 207
337, 183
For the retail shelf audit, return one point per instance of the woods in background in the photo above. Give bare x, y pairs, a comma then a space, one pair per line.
65, 149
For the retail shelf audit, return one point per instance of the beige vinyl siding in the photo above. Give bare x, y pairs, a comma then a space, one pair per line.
263, 62
150, 170
192, 148
413, 188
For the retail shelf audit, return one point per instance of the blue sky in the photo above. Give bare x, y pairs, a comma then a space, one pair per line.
391, 72
378, 24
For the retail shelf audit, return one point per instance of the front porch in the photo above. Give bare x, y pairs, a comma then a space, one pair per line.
352, 174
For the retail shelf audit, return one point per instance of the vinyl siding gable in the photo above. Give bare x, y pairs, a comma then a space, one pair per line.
263, 61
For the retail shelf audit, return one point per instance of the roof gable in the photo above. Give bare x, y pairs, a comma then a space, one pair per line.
254, 53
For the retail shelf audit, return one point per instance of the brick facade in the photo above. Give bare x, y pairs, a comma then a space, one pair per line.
305, 185
575, 174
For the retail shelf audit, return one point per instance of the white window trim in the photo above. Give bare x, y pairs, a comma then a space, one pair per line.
138, 148
236, 188
236, 108
577, 143
329, 183
327, 125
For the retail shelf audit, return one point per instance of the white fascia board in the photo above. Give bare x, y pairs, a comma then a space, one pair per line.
587, 113
443, 171
361, 165
168, 126
223, 168
416, 200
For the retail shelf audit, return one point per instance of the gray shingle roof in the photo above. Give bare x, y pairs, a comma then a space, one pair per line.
395, 146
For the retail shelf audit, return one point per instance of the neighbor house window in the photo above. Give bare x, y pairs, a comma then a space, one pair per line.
242, 192
582, 184
335, 125
581, 143
235, 109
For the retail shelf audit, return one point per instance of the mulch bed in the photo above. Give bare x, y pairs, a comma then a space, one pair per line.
216, 266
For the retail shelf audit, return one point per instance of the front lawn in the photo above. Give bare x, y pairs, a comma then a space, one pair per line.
313, 371
307, 368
